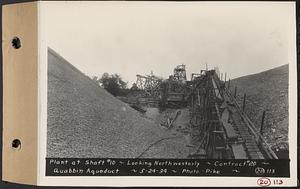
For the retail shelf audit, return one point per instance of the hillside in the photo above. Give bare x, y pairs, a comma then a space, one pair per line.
84, 120
268, 91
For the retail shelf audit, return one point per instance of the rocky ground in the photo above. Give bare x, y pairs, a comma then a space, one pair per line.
84, 120
267, 91
178, 144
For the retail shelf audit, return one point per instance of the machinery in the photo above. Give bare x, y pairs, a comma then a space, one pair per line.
149, 84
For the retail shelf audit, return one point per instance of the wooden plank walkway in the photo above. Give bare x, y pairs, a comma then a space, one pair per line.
238, 151
230, 132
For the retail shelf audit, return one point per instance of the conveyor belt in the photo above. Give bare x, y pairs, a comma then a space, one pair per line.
233, 134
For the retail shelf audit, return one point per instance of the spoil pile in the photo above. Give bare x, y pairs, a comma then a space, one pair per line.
84, 120
267, 91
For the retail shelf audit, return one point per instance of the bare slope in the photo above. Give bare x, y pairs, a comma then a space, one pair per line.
267, 91
84, 120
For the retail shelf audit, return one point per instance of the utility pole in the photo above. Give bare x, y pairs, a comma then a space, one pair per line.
262, 122
235, 90
244, 102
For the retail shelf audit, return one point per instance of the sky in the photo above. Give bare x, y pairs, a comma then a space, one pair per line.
130, 38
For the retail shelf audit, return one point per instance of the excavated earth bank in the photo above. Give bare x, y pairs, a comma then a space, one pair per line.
84, 120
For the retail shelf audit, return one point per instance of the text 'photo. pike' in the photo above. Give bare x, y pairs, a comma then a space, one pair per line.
168, 82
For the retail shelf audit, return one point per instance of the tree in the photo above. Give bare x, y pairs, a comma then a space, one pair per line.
95, 78
134, 87
113, 84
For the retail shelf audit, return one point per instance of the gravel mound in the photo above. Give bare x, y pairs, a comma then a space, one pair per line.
267, 91
84, 120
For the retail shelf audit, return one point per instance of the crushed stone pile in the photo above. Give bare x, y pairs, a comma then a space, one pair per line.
85, 121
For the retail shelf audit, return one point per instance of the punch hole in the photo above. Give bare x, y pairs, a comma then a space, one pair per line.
16, 144
16, 43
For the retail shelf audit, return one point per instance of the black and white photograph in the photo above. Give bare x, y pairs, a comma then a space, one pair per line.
180, 80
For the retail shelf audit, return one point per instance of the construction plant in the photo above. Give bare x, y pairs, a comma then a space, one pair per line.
218, 124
